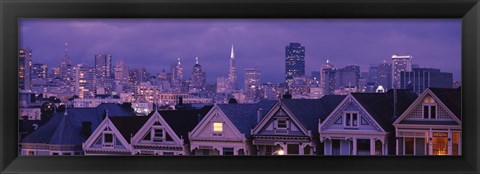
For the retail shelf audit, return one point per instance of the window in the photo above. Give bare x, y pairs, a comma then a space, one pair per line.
429, 108
55, 153
158, 135
335, 147
30, 152
217, 129
282, 124
227, 151
351, 119
107, 140
67, 153
409, 143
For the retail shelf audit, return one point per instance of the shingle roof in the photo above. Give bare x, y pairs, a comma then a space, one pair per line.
184, 121
244, 116
380, 105
309, 111
452, 98
128, 126
66, 129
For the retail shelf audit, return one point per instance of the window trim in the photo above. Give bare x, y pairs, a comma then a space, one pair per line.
108, 144
153, 137
429, 106
344, 119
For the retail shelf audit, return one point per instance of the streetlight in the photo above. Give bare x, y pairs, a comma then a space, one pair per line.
279, 152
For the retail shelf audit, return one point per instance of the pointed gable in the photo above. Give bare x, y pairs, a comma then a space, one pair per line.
447, 105
280, 121
184, 121
156, 130
104, 133
128, 126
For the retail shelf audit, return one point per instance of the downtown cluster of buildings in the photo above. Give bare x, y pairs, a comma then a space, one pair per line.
395, 108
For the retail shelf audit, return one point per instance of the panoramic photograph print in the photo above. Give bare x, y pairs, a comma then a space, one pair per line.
239, 87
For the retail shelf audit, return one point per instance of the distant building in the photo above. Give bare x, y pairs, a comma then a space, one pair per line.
39, 71
199, 78
84, 81
373, 74
420, 79
315, 78
347, 77
327, 79
294, 61
252, 84
103, 66
24, 68
146, 92
94, 102
399, 64
121, 71
232, 72
138, 75
222, 84
384, 76
67, 73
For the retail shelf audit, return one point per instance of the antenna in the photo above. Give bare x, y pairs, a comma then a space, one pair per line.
196, 60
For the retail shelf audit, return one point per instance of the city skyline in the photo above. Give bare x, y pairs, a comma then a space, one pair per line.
339, 41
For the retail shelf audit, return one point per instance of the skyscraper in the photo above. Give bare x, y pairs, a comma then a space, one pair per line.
177, 76
347, 77
103, 66
67, 73
294, 61
138, 75
327, 79
121, 71
399, 64
232, 73
384, 75
198, 77
24, 68
252, 84
84, 81
420, 79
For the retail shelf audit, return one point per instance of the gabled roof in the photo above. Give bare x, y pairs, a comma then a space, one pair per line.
452, 98
66, 129
244, 116
309, 111
128, 126
184, 121
380, 105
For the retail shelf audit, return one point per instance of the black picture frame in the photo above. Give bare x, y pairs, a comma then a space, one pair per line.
11, 11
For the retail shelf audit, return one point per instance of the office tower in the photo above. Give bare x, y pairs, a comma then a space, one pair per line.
222, 84
24, 68
198, 77
177, 75
39, 71
121, 71
420, 79
84, 81
66, 69
347, 77
384, 75
372, 74
252, 84
327, 79
315, 78
232, 73
138, 75
399, 64
294, 61
56, 73
103, 66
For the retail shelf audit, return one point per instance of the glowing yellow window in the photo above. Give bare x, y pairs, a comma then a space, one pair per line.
218, 127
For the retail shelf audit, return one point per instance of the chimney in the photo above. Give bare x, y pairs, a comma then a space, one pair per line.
86, 128
259, 114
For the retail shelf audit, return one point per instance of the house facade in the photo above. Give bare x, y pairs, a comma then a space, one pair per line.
289, 126
431, 125
225, 130
362, 123
67, 130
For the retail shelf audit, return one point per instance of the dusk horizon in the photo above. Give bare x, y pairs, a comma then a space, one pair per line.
257, 43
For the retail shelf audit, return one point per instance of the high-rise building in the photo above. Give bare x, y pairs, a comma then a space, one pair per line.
66, 69
84, 81
347, 77
103, 66
198, 77
384, 76
24, 68
177, 76
294, 61
56, 73
121, 71
252, 84
327, 79
232, 73
39, 71
222, 84
138, 75
372, 74
315, 78
420, 79
399, 64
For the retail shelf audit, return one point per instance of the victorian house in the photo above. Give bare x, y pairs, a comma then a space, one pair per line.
225, 130
159, 133
289, 127
65, 132
362, 123
432, 125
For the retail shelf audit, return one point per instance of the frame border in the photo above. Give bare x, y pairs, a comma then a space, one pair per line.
12, 10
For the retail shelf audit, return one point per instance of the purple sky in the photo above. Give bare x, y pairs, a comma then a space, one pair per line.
157, 43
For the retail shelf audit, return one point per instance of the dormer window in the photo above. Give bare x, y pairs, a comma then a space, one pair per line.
281, 125
108, 139
217, 128
158, 135
351, 119
429, 108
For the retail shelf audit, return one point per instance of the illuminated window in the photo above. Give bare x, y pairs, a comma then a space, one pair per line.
217, 127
